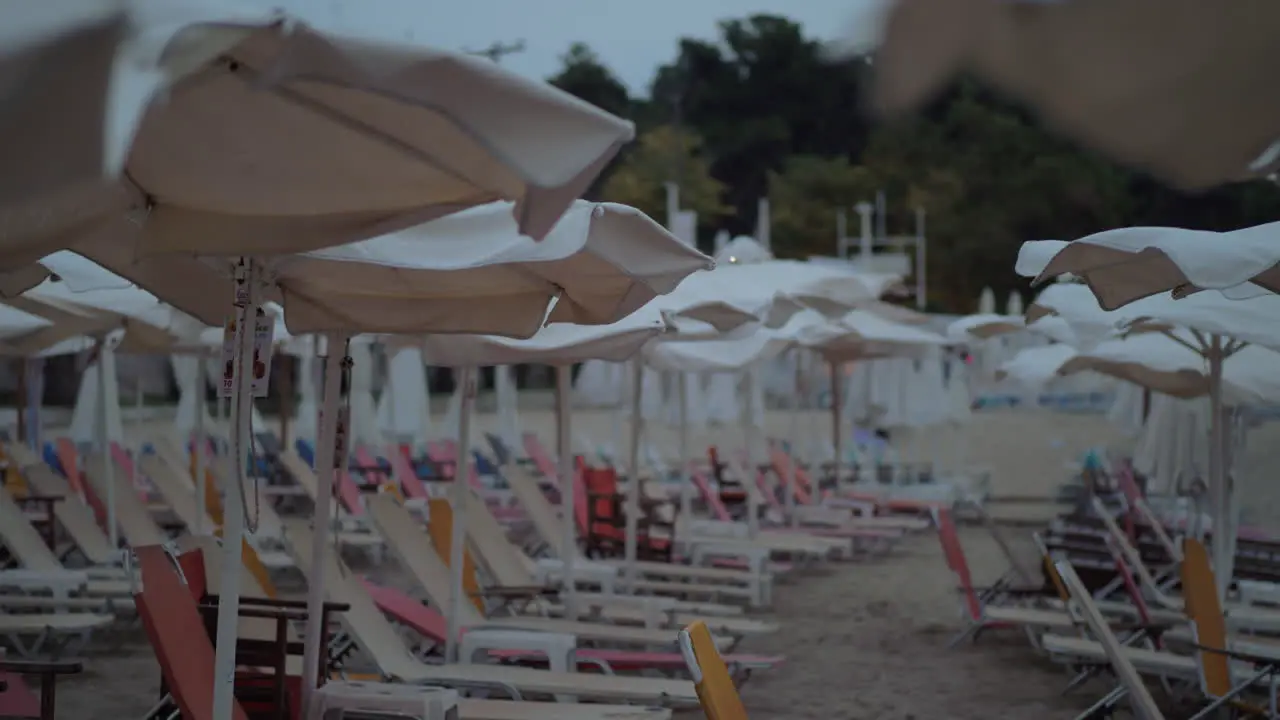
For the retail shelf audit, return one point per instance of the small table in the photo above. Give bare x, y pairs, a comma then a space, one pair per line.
48, 672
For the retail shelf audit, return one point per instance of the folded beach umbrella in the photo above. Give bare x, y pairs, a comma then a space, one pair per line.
1127, 264
244, 132
1181, 88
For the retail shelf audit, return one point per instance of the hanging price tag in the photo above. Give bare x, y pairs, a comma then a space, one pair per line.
263, 332
339, 435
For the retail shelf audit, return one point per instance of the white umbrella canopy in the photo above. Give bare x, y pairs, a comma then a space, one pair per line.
276, 138
777, 289
1014, 306
1069, 312
982, 327
469, 272
1180, 88
1170, 366
1033, 367
1128, 264
863, 334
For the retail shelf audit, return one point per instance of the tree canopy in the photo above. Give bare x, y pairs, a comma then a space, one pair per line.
760, 111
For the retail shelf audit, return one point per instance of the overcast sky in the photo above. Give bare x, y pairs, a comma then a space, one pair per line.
632, 37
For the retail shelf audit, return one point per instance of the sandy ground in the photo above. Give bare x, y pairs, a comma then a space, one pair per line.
864, 639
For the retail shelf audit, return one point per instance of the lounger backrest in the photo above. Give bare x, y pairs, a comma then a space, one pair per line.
1200, 591
408, 611
76, 517
1139, 696
488, 538
716, 692
953, 551
69, 457
1050, 569
402, 472
541, 458
412, 547
785, 465
440, 528
177, 635
1157, 527
371, 630
132, 515
301, 472
542, 514
1131, 554
710, 496
22, 540
175, 491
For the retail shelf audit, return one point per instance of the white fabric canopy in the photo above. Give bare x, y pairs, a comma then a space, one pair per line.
86, 416
285, 139
1131, 263
980, 327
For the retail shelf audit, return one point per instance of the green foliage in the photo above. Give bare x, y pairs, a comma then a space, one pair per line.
761, 112
661, 155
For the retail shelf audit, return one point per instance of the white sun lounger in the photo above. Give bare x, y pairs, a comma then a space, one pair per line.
506, 566
755, 587
412, 546
380, 640
57, 633
75, 516
40, 568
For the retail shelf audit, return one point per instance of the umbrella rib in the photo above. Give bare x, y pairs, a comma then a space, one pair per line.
239, 70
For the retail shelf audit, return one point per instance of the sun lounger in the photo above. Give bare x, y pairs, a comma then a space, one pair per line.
380, 641
710, 582
1223, 673
132, 514
41, 569
430, 624
1238, 616
413, 548
54, 633
504, 563
75, 516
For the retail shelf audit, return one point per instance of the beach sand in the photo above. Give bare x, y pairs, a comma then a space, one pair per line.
864, 639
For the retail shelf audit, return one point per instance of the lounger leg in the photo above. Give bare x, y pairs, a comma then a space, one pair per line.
970, 633
1104, 707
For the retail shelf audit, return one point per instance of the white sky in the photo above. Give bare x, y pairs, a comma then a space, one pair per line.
632, 37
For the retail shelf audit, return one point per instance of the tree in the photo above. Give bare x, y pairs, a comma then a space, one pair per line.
762, 94
583, 76
661, 155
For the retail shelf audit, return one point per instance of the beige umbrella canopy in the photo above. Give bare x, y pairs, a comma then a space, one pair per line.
272, 137
1182, 88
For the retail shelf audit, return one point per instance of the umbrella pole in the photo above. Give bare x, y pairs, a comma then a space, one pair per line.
748, 418
633, 487
564, 380
326, 461
200, 445
686, 487
1223, 559
104, 444
794, 450
458, 502
836, 431
233, 508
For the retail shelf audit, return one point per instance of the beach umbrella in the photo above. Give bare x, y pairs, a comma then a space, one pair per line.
1180, 88
987, 302
273, 137
1128, 264
981, 327
1014, 306
1220, 328
1033, 367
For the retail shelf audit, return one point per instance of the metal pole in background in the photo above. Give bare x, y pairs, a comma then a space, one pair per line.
922, 267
